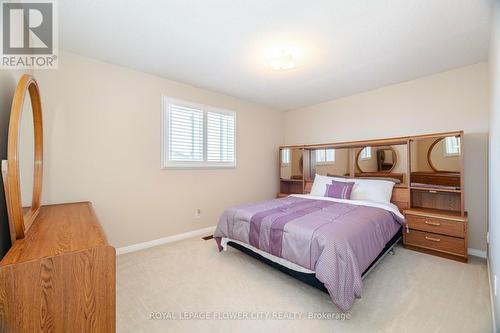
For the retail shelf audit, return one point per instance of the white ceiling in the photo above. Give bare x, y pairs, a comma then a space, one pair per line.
345, 46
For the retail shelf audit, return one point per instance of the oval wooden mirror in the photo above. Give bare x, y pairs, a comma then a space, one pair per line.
444, 154
23, 169
376, 159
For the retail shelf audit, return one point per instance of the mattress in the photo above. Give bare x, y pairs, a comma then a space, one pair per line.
334, 239
277, 260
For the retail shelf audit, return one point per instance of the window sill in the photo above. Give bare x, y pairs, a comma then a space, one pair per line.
197, 166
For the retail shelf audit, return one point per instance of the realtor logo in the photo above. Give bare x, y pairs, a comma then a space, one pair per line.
29, 34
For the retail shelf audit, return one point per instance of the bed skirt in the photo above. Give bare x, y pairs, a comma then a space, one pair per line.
310, 278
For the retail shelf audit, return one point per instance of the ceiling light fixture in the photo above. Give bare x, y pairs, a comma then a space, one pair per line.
282, 60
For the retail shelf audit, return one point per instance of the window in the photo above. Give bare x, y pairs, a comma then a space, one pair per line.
452, 146
285, 156
197, 135
366, 153
325, 156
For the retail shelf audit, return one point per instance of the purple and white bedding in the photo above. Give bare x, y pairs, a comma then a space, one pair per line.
337, 239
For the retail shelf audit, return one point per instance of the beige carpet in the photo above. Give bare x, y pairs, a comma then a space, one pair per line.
407, 292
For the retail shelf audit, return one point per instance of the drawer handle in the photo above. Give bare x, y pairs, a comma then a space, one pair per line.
432, 239
433, 192
433, 223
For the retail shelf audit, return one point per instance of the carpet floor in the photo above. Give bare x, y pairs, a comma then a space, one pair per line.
188, 286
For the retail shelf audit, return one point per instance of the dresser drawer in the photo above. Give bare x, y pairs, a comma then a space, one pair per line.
436, 242
436, 225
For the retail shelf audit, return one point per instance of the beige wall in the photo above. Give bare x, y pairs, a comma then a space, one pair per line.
453, 100
102, 143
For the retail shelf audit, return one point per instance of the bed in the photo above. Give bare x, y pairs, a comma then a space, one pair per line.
328, 242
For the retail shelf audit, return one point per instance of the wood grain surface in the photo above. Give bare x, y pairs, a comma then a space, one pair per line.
61, 276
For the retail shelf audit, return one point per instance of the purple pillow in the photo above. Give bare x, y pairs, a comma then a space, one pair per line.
339, 190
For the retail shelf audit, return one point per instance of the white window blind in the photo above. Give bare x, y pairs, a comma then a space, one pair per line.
325, 156
197, 135
285, 156
220, 137
366, 153
452, 146
185, 133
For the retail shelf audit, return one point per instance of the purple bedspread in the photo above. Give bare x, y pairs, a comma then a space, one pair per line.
336, 240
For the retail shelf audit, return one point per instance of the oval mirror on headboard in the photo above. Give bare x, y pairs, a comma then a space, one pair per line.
23, 169
444, 154
377, 159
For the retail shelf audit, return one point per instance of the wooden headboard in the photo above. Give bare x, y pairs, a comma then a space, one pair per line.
401, 197
437, 178
398, 176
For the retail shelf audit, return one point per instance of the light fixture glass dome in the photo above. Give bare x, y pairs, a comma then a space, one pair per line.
283, 60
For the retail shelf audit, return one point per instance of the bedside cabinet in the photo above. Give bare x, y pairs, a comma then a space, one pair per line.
436, 232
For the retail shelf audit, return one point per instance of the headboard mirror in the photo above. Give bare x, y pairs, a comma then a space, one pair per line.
292, 163
328, 161
382, 161
407, 160
437, 161
22, 172
376, 159
444, 154
26, 155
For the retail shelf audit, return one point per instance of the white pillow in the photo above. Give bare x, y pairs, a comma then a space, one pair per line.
372, 190
363, 189
319, 185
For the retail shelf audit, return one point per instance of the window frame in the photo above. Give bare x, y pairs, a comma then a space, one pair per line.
445, 147
289, 154
165, 119
325, 162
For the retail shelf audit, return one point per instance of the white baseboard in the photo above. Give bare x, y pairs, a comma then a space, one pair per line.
477, 253
165, 240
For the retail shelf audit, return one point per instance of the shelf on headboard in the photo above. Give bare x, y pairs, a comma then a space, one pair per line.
435, 190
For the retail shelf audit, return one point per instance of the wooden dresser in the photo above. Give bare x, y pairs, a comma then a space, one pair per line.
435, 232
436, 219
61, 276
